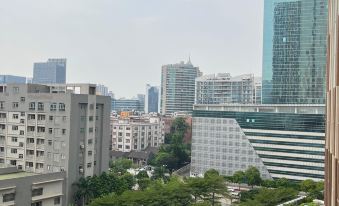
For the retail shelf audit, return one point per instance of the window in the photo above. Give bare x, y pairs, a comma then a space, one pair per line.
50, 118
15, 128
90, 118
15, 116
21, 156
50, 130
90, 141
40, 106
50, 142
89, 165
61, 107
90, 130
15, 104
57, 201
37, 192
82, 130
53, 107
31, 106
63, 131
41, 117
90, 153
14, 151
14, 139
8, 197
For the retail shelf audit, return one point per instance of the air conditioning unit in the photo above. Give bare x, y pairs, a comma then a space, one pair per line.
81, 170
82, 146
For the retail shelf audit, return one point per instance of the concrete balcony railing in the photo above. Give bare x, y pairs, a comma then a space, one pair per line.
2, 119
31, 122
2, 142
40, 146
41, 122
2, 131
30, 157
30, 145
2, 154
40, 158
40, 134
30, 133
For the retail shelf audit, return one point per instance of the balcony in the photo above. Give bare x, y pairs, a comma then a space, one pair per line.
2, 154
29, 169
31, 122
40, 158
40, 146
30, 133
2, 119
40, 134
30, 145
30, 157
2, 131
41, 122
2, 142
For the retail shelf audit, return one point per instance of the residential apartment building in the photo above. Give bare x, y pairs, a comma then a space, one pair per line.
27, 188
282, 141
332, 136
6, 79
102, 90
223, 88
152, 99
51, 72
294, 51
45, 129
257, 90
137, 133
177, 87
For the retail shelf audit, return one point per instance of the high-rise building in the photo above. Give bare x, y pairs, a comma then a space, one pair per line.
294, 52
123, 104
102, 90
152, 99
282, 141
332, 135
222, 89
257, 90
46, 129
51, 72
177, 87
6, 79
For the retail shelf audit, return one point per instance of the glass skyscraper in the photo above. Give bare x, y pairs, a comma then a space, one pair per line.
294, 52
51, 72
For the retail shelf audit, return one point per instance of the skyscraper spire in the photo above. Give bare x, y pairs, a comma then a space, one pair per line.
189, 59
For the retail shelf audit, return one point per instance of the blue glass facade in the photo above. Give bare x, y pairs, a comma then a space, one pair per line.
51, 72
152, 99
294, 52
5, 79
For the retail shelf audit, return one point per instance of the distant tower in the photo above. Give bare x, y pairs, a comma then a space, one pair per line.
51, 72
152, 99
177, 87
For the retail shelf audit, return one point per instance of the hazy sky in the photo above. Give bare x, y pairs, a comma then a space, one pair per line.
123, 43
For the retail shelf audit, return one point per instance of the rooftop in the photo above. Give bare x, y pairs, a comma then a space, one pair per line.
15, 175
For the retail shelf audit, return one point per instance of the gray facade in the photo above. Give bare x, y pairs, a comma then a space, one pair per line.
285, 140
46, 129
24, 188
177, 87
51, 72
123, 104
6, 79
223, 88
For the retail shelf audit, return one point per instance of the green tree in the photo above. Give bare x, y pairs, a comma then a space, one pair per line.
215, 186
239, 177
253, 176
121, 165
198, 187
84, 191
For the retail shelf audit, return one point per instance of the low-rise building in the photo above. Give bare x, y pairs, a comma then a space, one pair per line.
26, 188
137, 133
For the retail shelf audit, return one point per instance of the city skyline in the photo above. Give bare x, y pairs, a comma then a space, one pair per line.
201, 29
